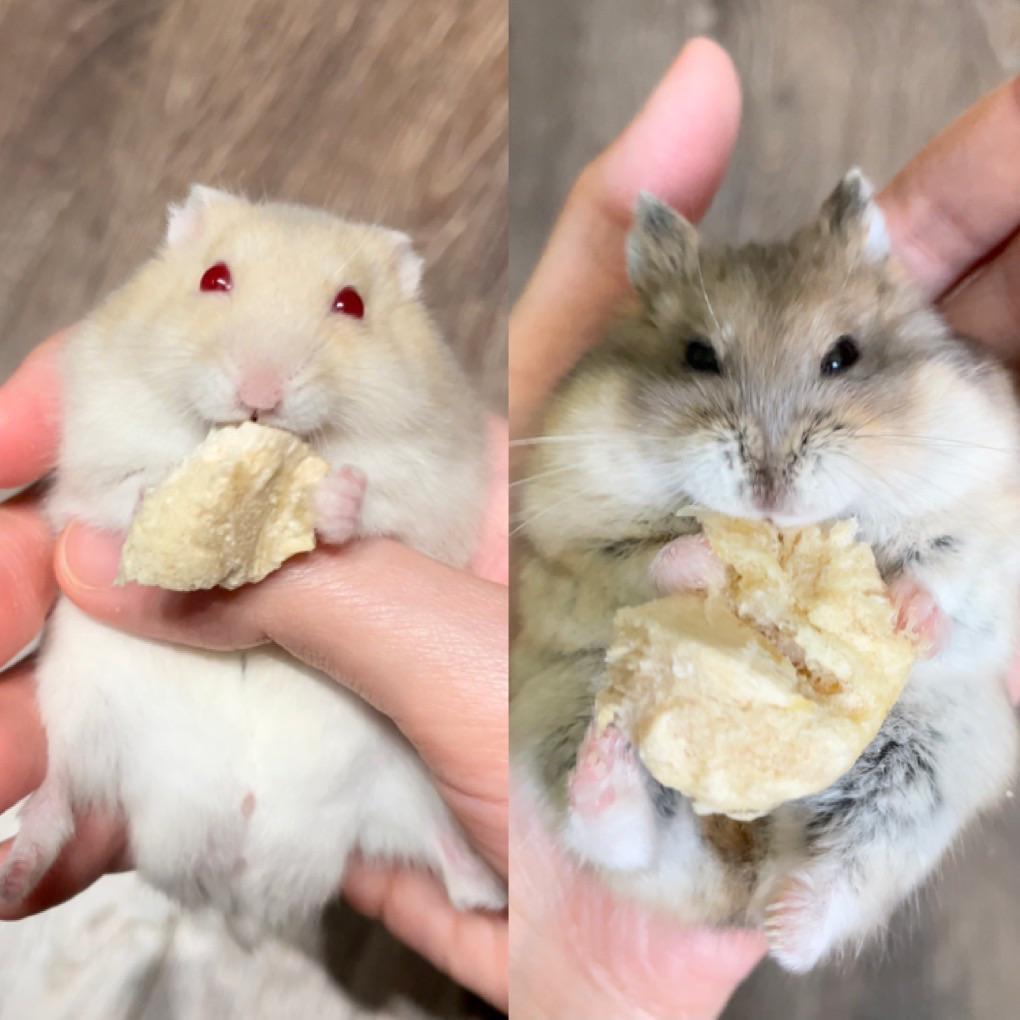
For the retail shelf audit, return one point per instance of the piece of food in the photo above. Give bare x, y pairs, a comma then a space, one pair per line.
232, 513
768, 687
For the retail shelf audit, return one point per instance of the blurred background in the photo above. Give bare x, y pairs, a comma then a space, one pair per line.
391, 110
826, 83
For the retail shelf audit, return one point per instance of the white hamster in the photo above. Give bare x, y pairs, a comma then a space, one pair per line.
800, 382
246, 779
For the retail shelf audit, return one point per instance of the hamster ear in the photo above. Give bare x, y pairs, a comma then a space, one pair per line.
184, 221
661, 245
408, 263
852, 213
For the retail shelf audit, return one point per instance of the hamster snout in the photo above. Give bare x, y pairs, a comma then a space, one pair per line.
782, 470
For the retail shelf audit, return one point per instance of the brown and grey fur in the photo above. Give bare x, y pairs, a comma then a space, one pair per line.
918, 442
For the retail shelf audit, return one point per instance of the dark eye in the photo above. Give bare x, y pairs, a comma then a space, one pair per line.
700, 357
350, 302
216, 277
840, 356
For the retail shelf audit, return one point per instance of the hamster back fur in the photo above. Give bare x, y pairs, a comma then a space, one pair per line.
798, 382
247, 778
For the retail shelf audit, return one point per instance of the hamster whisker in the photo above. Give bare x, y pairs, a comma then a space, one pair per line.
704, 294
896, 499
352, 254
920, 480
579, 494
591, 437
931, 440
543, 474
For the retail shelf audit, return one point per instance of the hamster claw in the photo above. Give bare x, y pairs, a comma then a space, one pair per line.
338, 502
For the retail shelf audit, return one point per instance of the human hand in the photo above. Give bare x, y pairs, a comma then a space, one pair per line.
371, 613
953, 214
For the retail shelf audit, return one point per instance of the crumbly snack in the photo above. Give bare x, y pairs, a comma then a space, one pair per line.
232, 513
766, 688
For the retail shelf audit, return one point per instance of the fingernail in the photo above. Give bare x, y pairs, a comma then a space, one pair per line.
87, 558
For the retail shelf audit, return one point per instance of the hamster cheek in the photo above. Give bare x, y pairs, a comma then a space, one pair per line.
338, 502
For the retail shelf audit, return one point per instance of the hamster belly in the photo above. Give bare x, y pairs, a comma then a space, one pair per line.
245, 778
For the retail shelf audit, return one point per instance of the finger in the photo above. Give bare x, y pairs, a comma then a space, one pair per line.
960, 197
471, 947
22, 737
422, 642
677, 147
30, 417
986, 305
27, 585
98, 847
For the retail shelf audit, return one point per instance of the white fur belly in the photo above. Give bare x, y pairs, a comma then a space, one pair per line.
246, 778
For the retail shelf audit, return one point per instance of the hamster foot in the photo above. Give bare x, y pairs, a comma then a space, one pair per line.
686, 564
470, 884
338, 502
809, 913
611, 819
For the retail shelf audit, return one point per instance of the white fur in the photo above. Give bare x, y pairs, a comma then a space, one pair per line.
247, 778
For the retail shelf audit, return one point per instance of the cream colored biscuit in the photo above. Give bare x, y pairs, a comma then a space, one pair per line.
232, 513
769, 687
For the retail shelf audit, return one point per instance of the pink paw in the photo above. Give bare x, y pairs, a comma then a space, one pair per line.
21, 873
612, 817
605, 768
686, 564
918, 615
338, 501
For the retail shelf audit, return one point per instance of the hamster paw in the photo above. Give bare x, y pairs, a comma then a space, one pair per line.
919, 615
338, 502
469, 882
808, 913
611, 819
686, 564
794, 924
46, 826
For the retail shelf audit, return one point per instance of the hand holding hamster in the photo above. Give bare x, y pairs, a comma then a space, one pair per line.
447, 536
564, 320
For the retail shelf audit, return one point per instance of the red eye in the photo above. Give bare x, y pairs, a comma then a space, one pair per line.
216, 277
349, 301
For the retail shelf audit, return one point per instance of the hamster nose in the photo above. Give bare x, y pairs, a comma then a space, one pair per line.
261, 390
764, 488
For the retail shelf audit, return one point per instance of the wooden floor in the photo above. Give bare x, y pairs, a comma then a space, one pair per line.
393, 110
827, 83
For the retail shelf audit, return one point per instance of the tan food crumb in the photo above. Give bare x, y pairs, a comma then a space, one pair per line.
770, 687
233, 512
